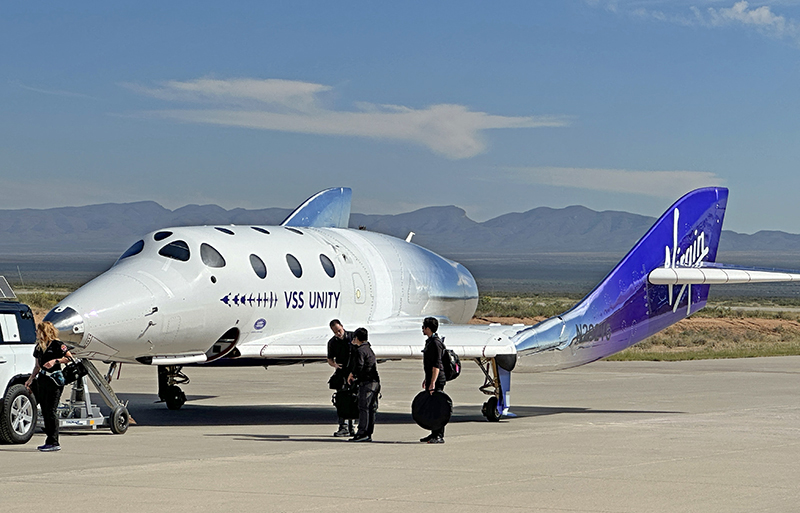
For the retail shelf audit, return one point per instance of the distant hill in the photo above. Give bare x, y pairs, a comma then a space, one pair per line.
545, 245
113, 226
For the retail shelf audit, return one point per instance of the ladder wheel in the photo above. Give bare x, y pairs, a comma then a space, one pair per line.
120, 420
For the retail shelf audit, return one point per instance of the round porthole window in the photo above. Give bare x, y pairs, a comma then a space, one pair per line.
211, 256
330, 270
294, 266
258, 266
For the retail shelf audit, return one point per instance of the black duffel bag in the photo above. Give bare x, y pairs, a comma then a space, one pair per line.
73, 371
432, 411
346, 402
337, 381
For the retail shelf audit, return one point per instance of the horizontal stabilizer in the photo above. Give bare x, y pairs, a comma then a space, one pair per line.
326, 209
715, 276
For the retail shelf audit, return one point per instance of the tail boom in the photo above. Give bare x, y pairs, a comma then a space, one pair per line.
626, 307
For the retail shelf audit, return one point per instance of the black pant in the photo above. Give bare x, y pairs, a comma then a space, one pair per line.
367, 406
48, 394
439, 386
344, 423
339, 379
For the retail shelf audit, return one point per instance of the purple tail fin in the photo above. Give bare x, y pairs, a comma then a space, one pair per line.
625, 308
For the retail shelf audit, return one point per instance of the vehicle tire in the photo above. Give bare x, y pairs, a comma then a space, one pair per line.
175, 398
18, 419
120, 420
489, 410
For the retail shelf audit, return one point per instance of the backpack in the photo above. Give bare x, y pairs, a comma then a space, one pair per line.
451, 363
346, 402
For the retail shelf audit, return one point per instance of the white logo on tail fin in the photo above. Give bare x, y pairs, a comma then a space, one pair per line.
692, 257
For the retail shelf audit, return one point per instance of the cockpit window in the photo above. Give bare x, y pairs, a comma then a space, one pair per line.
211, 256
259, 229
161, 235
294, 265
133, 250
258, 266
223, 230
294, 230
330, 270
176, 249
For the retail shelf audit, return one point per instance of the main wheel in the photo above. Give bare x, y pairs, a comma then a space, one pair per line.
18, 420
489, 410
174, 397
120, 420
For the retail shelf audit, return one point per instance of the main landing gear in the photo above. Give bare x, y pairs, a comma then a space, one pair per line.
169, 377
491, 386
497, 384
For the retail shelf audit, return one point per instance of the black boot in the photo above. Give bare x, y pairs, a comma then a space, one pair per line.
343, 431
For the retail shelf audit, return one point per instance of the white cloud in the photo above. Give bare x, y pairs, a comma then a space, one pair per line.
287, 94
292, 106
661, 184
741, 14
761, 18
52, 92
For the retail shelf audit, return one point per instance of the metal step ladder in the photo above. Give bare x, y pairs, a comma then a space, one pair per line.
79, 412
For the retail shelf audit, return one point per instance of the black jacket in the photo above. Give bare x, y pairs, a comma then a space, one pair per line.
340, 350
432, 359
365, 366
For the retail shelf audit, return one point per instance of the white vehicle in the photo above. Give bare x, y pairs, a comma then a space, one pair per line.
18, 410
263, 295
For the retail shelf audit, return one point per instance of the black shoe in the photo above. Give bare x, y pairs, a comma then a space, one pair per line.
361, 438
343, 431
436, 440
427, 438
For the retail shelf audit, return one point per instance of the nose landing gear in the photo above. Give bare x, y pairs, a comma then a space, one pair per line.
169, 377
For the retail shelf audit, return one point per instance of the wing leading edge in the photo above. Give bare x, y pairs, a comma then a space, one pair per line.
398, 340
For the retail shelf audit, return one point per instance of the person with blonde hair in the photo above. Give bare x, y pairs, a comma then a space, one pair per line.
47, 380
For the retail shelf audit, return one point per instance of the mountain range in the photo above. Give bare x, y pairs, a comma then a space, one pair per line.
447, 230
545, 246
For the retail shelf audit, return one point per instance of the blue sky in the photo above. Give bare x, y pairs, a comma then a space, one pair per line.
492, 106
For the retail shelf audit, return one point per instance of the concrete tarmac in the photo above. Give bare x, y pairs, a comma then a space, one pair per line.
702, 436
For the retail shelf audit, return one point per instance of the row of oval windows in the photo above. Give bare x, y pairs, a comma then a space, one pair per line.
179, 250
164, 234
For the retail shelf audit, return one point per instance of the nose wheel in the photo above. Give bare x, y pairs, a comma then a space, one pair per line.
169, 377
174, 397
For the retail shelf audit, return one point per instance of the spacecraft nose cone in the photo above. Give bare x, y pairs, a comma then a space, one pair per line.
68, 322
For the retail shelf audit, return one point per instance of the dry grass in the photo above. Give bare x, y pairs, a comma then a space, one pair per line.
704, 338
721, 330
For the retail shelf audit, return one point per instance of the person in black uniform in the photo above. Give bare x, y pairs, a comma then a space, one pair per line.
365, 373
434, 370
50, 353
340, 348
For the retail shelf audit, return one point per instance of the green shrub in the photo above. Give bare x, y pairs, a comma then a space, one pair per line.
45, 300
